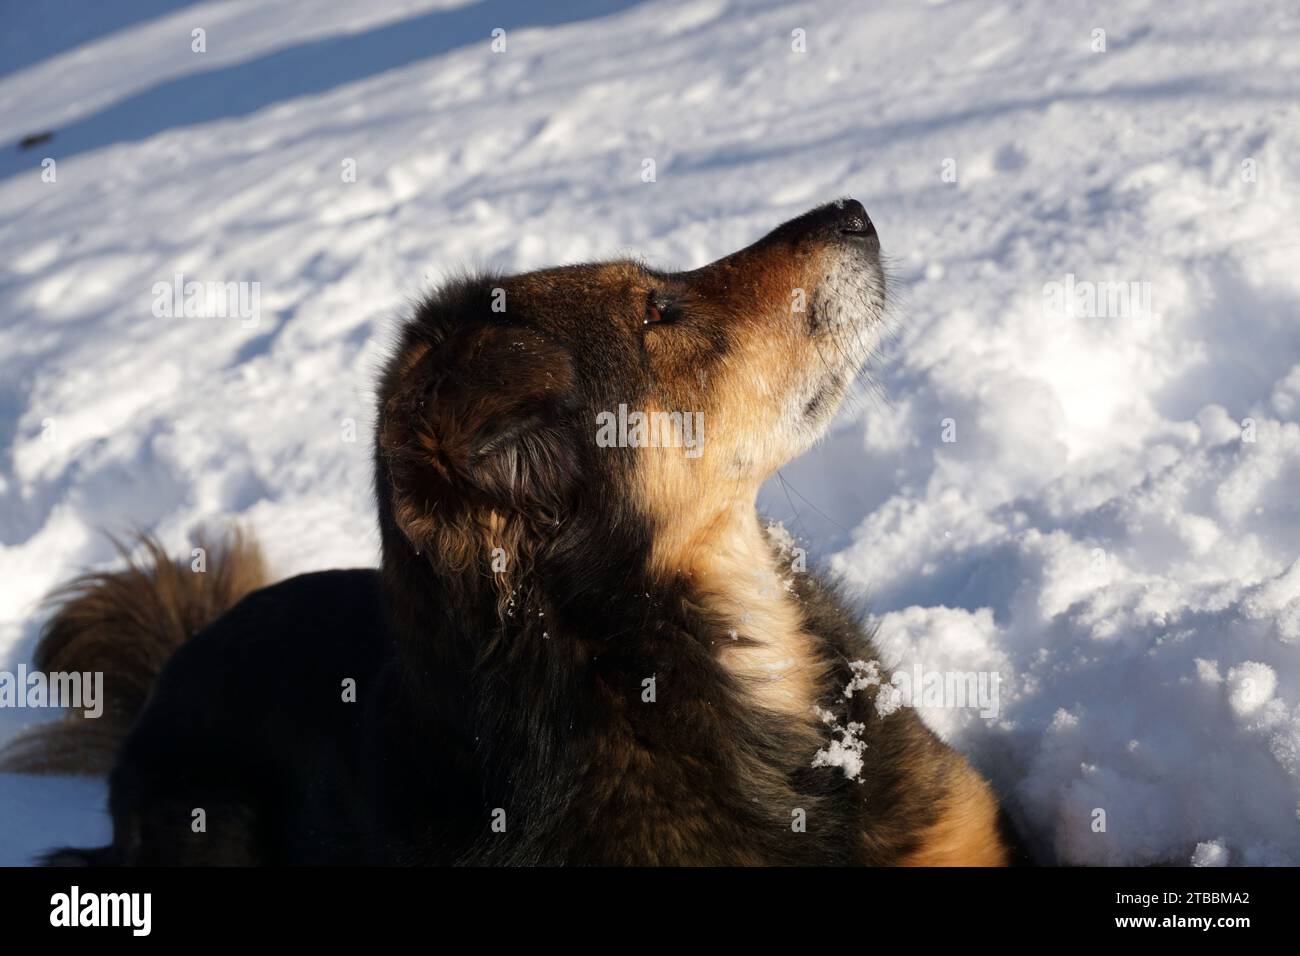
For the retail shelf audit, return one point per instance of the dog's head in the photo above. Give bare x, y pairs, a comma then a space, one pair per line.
514, 403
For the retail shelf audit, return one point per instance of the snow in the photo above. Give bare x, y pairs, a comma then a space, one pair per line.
1250, 687
1112, 526
1212, 853
846, 753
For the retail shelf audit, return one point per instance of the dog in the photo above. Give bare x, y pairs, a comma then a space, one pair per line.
582, 645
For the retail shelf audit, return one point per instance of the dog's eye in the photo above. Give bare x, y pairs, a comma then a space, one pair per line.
658, 310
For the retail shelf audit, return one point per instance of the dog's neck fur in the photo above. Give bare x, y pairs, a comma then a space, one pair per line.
670, 668
731, 588
736, 570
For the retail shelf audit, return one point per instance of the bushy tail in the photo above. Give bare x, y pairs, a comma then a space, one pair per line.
125, 624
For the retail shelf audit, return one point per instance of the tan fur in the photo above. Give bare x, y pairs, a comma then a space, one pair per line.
769, 652
125, 624
703, 509
706, 525
707, 531
966, 833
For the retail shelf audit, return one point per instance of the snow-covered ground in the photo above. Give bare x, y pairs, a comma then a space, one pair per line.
1098, 503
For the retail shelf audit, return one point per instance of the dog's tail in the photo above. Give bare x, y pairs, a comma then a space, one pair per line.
125, 624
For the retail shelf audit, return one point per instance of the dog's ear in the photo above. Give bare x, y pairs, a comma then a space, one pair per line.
486, 419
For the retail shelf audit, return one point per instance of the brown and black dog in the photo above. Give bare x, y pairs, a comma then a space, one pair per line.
582, 646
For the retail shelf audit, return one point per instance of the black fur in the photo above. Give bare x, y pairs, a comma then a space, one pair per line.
248, 724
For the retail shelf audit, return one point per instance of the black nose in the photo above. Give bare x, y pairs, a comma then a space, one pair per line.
856, 220
851, 218
842, 219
